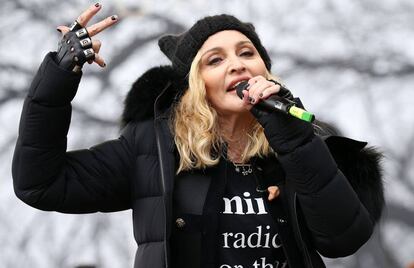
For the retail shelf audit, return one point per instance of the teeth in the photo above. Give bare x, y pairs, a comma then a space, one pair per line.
238, 83
235, 85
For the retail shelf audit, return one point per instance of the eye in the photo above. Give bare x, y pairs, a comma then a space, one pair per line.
246, 53
214, 61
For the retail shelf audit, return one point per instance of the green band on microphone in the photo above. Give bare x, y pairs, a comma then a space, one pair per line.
301, 114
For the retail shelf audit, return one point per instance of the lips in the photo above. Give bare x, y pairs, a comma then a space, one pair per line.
235, 82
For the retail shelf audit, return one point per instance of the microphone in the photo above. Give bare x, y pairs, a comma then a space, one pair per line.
277, 103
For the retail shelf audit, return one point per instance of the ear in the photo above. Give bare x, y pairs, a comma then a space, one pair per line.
251, 26
168, 45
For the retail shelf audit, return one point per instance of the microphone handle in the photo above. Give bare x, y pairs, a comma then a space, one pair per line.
277, 103
280, 104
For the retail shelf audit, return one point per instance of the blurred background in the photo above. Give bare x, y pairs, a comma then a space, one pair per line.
351, 62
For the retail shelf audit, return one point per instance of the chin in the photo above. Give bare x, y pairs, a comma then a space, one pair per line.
233, 108
228, 104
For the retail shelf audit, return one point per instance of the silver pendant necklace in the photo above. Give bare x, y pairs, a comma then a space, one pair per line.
244, 169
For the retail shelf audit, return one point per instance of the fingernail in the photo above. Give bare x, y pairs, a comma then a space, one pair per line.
60, 31
114, 17
97, 5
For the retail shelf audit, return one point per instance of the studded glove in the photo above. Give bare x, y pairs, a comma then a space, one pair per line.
75, 48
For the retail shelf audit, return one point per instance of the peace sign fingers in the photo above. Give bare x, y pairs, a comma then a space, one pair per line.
76, 46
96, 28
102, 25
87, 15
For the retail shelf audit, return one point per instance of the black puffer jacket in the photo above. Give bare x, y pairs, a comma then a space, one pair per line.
137, 171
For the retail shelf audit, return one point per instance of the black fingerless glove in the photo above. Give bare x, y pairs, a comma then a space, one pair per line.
284, 132
75, 48
283, 92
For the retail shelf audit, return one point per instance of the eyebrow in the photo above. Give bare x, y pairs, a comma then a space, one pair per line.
220, 48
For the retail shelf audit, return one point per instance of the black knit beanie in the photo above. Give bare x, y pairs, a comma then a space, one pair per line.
181, 49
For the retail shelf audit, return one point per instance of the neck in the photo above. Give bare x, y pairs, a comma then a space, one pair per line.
234, 126
234, 130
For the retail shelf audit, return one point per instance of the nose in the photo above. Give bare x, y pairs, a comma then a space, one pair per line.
236, 66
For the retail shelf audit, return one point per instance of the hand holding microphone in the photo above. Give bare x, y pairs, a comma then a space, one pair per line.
281, 102
283, 132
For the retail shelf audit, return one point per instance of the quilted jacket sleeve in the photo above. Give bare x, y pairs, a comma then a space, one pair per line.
49, 178
339, 223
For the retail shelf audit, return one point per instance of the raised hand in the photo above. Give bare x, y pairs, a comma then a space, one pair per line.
76, 46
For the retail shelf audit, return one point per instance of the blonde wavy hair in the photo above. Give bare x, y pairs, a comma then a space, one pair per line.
196, 130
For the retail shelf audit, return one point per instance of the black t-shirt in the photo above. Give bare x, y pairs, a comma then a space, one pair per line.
248, 236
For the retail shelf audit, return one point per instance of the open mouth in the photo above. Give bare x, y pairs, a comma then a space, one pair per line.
233, 88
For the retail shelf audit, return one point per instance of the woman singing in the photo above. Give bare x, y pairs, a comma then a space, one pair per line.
213, 180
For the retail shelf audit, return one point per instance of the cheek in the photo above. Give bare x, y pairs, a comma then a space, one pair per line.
213, 83
209, 94
212, 94
259, 68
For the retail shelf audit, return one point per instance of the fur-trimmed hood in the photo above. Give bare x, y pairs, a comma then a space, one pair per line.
360, 164
139, 102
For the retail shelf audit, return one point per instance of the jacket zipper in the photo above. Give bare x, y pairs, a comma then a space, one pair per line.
308, 261
267, 202
163, 190
284, 248
157, 125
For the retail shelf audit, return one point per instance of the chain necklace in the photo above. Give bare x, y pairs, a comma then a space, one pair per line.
244, 169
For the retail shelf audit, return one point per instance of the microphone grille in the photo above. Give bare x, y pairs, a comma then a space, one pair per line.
240, 87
